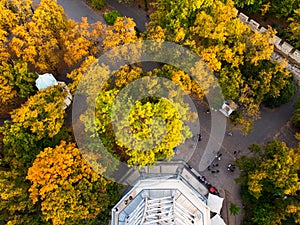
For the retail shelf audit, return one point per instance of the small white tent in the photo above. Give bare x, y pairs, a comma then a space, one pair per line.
214, 202
45, 80
217, 220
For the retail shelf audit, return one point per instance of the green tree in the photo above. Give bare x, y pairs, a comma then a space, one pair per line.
296, 115
279, 8
15, 205
285, 95
176, 16
16, 81
294, 29
111, 16
271, 184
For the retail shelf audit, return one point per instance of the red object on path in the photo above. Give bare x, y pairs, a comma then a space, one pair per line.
212, 189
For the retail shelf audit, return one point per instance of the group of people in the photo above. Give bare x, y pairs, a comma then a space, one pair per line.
231, 167
213, 167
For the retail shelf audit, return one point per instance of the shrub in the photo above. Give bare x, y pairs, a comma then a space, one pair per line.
236, 116
296, 119
111, 16
234, 209
286, 94
99, 4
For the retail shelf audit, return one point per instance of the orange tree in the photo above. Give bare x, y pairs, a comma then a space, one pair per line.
45, 38
40, 38
66, 187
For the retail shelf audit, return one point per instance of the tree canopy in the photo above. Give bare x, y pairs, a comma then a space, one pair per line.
37, 124
279, 8
153, 126
66, 186
271, 183
239, 57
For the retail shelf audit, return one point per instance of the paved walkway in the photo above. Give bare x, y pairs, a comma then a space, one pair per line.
138, 14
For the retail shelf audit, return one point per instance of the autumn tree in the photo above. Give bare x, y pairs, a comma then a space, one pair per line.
66, 186
43, 113
36, 41
15, 205
147, 139
44, 38
127, 140
78, 72
35, 125
122, 32
176, 16
16, 81
81, 41
296, 115
279, 8
294, 29
271, 183
39, 119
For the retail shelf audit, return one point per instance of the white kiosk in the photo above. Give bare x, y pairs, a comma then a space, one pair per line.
228, 107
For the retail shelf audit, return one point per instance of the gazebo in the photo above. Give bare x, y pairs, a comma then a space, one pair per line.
228, 107
45, 80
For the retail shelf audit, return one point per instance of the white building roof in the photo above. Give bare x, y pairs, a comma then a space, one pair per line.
165, 194
161, 201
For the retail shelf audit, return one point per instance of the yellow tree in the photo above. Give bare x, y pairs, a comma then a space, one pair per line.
122, 32
294, 28
151, 139
14, 199
151, 130
37, 41
35, 125
126, 75
66, 186
78, 72
16, 81
176, 16
188, 84
43, 113
238, 56
81, 40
